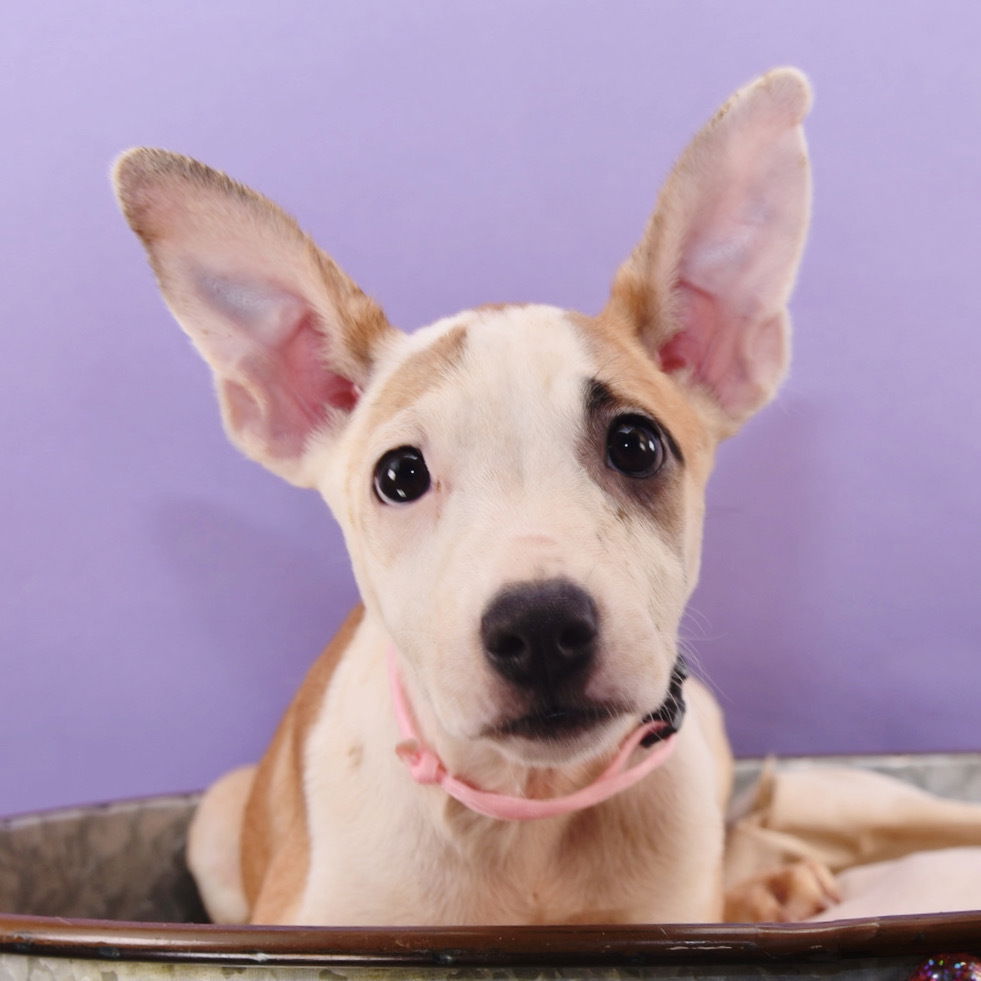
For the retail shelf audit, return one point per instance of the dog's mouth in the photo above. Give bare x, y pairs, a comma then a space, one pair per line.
557, 721
554, 722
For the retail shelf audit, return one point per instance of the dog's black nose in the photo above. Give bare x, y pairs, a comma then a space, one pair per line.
541, 635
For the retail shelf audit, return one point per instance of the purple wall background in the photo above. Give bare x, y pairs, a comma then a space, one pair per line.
161, 597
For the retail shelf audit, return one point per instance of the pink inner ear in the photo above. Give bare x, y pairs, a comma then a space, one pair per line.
678, 353
303, 372
286, 391
713, 347
702, 332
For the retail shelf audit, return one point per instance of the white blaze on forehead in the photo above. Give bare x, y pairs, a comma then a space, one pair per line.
520, 404
529, 348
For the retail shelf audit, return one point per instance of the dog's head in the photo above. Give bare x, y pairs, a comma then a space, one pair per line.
521, 488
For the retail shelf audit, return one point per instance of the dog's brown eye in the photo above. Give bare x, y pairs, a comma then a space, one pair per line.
634, 446
401, 476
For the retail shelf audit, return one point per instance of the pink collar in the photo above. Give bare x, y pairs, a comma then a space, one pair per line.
427, 768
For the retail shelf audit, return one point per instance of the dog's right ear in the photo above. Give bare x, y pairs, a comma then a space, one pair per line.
290, 338
706, 288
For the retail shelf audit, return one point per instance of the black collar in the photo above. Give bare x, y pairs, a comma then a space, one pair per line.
672, 709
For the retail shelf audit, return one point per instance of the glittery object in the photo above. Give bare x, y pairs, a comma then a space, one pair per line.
949, 967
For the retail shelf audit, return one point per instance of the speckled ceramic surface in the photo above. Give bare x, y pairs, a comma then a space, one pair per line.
41, 969
121, 861
124, 862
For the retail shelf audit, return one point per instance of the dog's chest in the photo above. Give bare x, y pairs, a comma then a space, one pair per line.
386, 851
646, 856
584, 874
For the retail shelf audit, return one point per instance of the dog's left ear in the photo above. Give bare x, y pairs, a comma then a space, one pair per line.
290, 338
706, 288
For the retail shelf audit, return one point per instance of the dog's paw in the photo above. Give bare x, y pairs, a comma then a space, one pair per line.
793, 892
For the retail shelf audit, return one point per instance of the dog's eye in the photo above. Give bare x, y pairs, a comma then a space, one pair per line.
634, 446
401, 476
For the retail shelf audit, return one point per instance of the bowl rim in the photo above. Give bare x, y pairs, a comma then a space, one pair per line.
524, 946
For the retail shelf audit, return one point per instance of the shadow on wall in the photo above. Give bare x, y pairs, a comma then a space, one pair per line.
267, 599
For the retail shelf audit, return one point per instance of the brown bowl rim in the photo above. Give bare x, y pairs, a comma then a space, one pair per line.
524, 946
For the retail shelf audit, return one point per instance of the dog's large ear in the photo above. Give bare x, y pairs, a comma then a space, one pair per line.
290, 338
707, 286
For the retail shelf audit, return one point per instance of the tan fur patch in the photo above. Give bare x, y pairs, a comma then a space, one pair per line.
626, 364
634, 296
418, 375
275, 837
364, 325
142, 167
499, 307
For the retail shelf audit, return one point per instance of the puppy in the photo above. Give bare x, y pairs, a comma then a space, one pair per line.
521, 490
